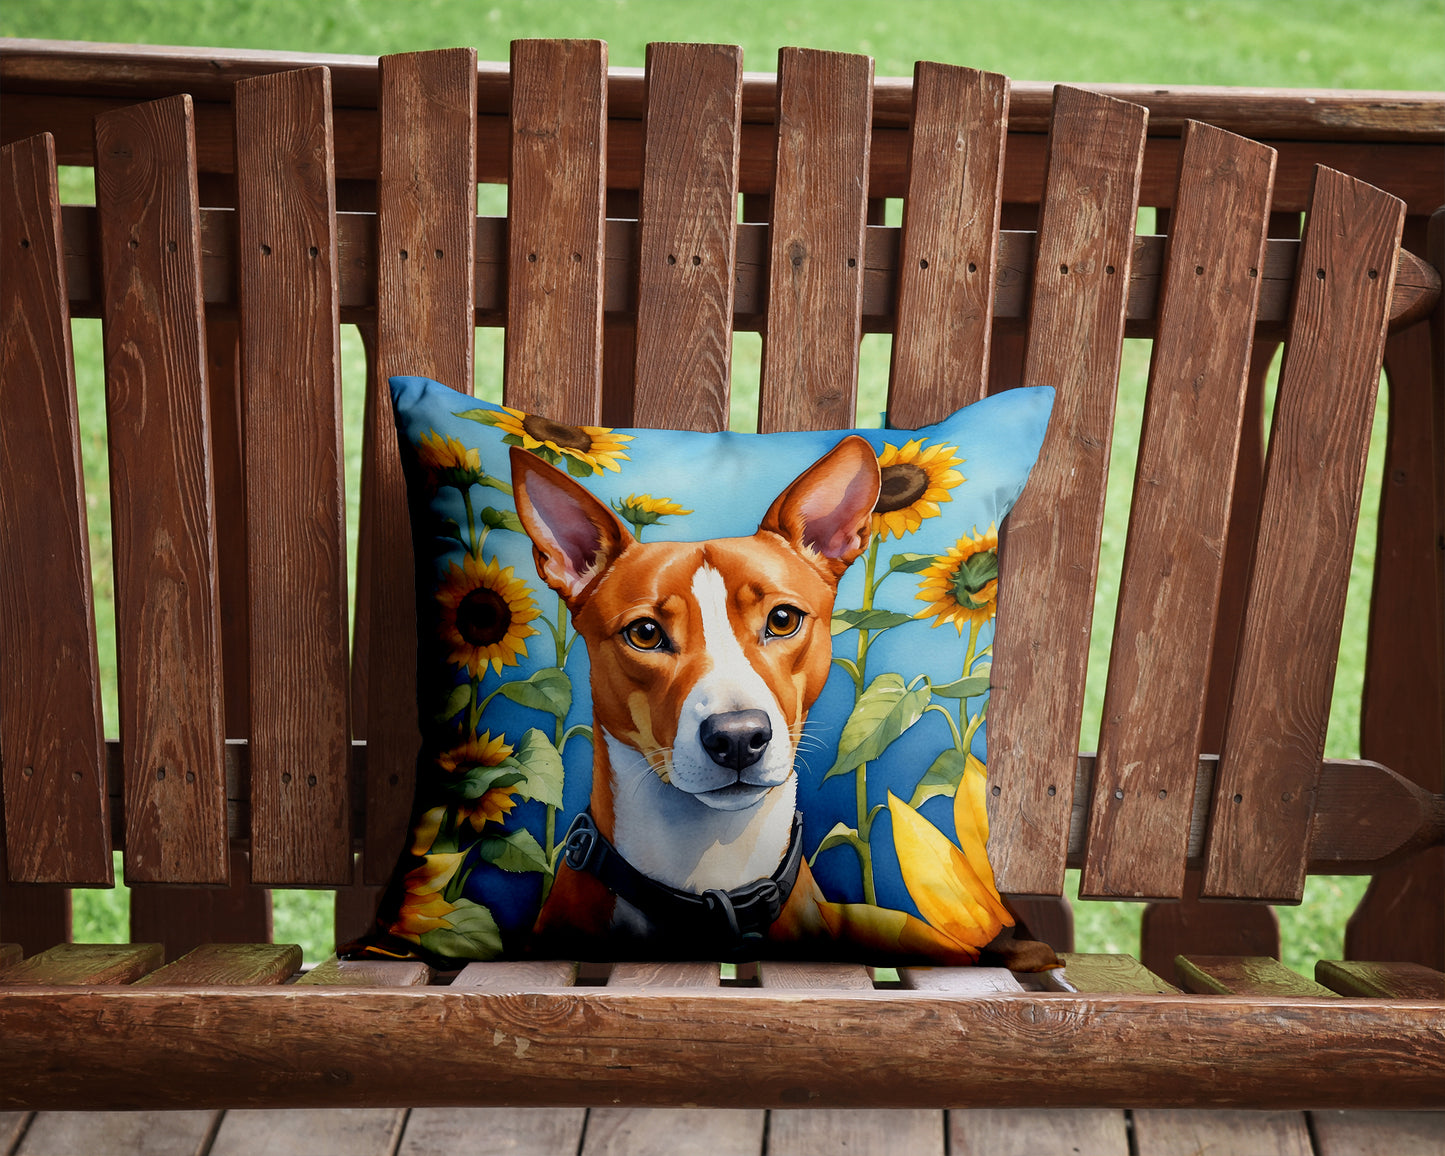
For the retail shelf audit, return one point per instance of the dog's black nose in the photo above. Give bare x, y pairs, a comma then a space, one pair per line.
737, 738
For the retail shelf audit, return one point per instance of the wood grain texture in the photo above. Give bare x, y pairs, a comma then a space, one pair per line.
153, 1133
183, 918
426, 218
123, 1047
875, 1132
555, 206
228, 963
816, 242
1275, 732
300, 744
335, 972
674, 1132
12, 1127
1191, 925
1184, 1132
958, 980
1098, 972
163, 524
642, 975
10, 953
1242, 975
69, 964
34, 915
517, 975
1384, 980
1154, 700
57, 823
1342, 1133
515, 1131
1050, 556
789, 976
327, 1132
947, 267
687, 236
1034, 1131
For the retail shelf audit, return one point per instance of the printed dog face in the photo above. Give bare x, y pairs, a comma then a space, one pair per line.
705, 656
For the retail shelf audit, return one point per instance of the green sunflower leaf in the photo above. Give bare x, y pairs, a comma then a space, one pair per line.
475, 782
513, 851
543, 766
867, 620
886, 709
550, 690
486, 417
473, 934
840, 834
974, 684
501, 519
452, 530
942, 778
909, 563
578, 468
457, 701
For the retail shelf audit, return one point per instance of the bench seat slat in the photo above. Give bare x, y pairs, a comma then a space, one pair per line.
228, 963
1243, 975
1098, 972
1049, 557
1384, 980
57, 823
1275, 732
1154, 701
300, 717
84, 964
336, 972
168, 634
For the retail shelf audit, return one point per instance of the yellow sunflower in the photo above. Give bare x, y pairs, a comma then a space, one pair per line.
962, 585
484, 615
448, 462
915, 480
645, 510
495, 803
592, 447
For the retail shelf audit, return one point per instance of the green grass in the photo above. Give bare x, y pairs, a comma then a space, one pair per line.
1307, 43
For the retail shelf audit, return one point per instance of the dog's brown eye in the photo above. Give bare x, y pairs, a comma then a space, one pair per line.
784, 621
645, 634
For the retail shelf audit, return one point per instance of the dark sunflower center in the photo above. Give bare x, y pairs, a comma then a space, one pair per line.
483, 617
974, 573
564, 437
903, 484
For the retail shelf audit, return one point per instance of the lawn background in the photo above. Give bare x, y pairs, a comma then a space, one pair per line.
1376, 44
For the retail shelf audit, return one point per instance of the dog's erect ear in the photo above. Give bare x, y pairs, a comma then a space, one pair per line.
828, 507
574, 536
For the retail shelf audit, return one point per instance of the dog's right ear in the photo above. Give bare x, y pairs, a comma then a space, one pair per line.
829, 506
574, 536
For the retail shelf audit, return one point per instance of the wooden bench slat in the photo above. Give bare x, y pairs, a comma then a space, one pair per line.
71, 964
1154, 701
664, 975
556, 206
1356, 1133
57, 824
228, 963
959, 980
794, 1132
183, 918
34, 915
300, 756
1187, 1132
1100, 972
1385, 980
947, 264
816, 260
1279, 709
153, 1133
1050, 554
426, 224
9, 953
515, 1131
1242, 975
674, 1132
1033, 1131
334, 972
168, 640
315, 1132
687, 236
517, 975
795, 976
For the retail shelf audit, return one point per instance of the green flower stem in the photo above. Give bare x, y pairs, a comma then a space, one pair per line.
969, 658
865, 823
474, 716
953, 726
476, 546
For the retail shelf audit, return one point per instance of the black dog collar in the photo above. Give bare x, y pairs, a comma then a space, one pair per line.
727, 919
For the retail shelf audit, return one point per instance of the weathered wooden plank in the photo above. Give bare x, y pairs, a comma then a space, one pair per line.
1186, 1132
10, 953
517, 975
1384, 980
12, 1127
642, 975
1242, 975
674, 1132
1188, 925
1343, 1133
183, 918
687, 236
1098, 972
1081, 275
85, 963
947, 267
321, 1132
555, 207
1153, 715
786, 975
426, 217
160, 1133
124, 1046
294, 493
816, 259
515, 1131
1034, 1131
1275, 732
228, 963
959, 980
168, 631
336, 972
34, 915
57, 825
868, 1132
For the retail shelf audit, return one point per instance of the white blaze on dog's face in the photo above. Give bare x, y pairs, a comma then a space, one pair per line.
706, 656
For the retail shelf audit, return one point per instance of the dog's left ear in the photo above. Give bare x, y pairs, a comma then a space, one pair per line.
828, 507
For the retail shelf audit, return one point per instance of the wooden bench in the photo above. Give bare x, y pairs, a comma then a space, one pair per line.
245, 207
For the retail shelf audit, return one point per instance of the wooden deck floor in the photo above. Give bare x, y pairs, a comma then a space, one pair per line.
702, 1132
